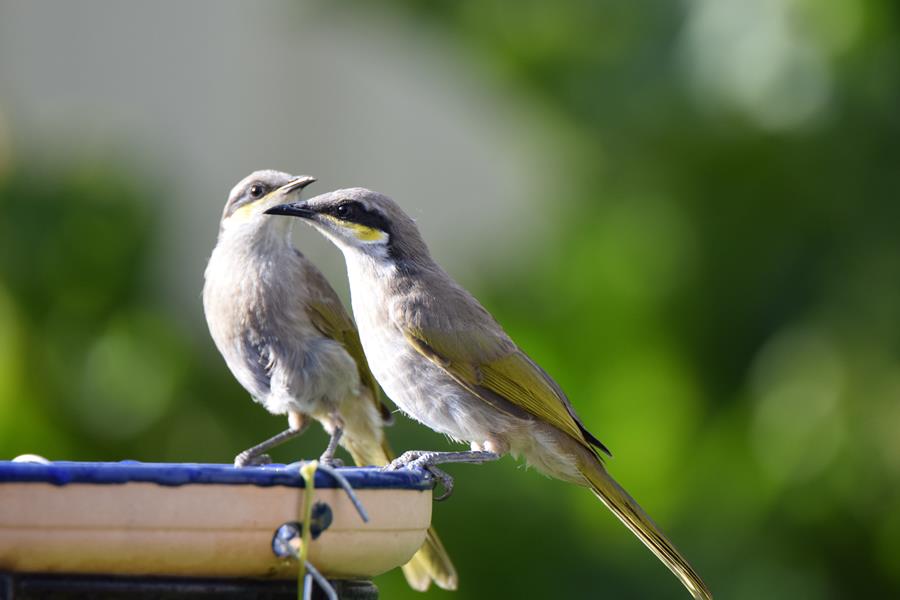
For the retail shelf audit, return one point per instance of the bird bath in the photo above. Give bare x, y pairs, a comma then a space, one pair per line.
202, 520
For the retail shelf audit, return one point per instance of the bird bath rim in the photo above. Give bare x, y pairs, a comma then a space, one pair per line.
176, 474
202, 520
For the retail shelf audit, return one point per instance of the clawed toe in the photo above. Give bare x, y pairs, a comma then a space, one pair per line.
404, 460
246, 459
331, 461
442, 478
426, 460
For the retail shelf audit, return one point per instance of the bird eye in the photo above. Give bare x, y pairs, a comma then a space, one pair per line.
257, 190
343, 210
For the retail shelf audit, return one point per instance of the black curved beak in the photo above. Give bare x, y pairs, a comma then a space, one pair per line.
293, 209
297, 184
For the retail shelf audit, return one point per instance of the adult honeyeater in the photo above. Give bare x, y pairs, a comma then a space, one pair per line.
447, 363
288, 340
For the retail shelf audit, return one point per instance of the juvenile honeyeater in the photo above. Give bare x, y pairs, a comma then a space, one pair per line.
286, 337
445, 361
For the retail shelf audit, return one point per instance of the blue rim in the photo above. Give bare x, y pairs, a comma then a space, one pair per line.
177, 474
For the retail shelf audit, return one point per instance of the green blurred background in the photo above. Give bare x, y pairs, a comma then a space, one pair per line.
686, 212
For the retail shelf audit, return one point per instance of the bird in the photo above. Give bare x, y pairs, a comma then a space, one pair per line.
286, 337
448, 364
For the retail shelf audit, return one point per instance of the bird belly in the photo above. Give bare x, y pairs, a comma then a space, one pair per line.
259, 324
427, 394
313, 377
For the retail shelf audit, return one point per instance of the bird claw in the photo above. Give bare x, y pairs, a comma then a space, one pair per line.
331, 461
441, 478
426, 460
421, 460
248, 459
403, 461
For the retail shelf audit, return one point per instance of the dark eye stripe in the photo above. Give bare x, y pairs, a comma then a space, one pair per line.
355, 212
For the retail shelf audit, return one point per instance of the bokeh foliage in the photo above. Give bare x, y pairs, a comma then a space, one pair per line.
721, 303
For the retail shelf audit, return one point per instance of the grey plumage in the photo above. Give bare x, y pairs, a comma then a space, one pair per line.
447, 363
396, 285
288, 340
255, 307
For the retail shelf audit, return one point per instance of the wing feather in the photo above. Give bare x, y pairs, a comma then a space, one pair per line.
327, 313
501, 375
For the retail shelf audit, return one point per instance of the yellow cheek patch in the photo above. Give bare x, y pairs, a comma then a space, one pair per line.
361, 232
366, 234
244, 212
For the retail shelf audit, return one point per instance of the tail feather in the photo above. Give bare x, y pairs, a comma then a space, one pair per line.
430, 562
639, 522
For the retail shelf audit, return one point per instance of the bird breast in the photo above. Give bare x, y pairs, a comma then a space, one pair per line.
255, 306
421, 389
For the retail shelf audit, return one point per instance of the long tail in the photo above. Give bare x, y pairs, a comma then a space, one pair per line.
639, 522
431, 562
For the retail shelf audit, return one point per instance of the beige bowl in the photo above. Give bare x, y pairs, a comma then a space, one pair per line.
200, 520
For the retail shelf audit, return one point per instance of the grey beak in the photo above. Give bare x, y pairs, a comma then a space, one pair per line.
294, 209
297, 184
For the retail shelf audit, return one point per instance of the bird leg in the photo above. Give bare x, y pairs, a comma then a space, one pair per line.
427, 459
257, 454
337, 431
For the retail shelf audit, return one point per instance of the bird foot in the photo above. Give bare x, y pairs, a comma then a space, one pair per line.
419, 459
248, 459
331, 461
426, 460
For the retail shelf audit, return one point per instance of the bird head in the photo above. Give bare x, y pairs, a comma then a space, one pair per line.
359, 221
257, 192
